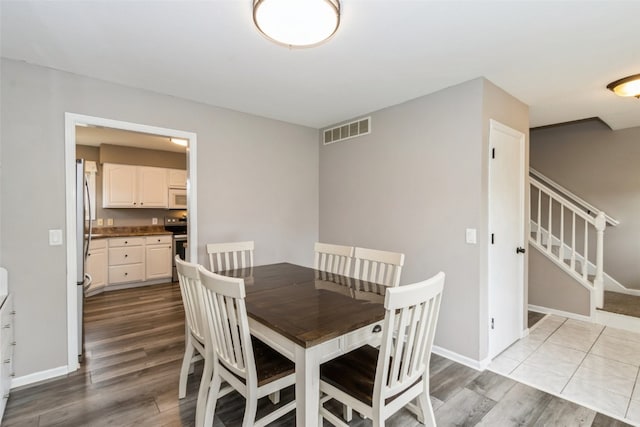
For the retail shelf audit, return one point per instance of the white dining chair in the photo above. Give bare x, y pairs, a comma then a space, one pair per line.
333, 258
248, 365
378, 383
379, 267
230, 255
196, 347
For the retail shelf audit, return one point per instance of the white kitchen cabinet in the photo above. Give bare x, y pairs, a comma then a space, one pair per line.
126, 260
152, 187
177, 178
119, 186
97, 264
7, 345
128, 186
158, 257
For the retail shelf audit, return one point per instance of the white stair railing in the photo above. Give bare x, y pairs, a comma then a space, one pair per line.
561, 230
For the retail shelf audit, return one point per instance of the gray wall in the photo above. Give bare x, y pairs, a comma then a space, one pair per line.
257, 179
552, 287
413, 185
600, 166
132, 156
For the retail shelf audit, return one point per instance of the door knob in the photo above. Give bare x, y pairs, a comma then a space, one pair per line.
520, 250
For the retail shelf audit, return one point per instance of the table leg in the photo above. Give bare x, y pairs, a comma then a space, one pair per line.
307, 386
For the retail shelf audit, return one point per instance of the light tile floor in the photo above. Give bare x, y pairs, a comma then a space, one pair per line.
589, 364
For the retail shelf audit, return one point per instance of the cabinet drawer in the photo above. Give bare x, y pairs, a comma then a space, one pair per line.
125, 241
157, 240
121, 256
98, 244
126, 273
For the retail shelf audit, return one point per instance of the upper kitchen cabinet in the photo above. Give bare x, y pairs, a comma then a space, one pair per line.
127, 186
177, 178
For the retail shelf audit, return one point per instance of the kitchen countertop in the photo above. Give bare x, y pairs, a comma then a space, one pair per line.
107, 232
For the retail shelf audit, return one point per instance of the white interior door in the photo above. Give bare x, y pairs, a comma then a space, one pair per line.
507, 233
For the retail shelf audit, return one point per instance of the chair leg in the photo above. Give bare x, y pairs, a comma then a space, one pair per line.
184, 370
275, 397
424, 403
202, 411
212, 397
347, 413
250, 409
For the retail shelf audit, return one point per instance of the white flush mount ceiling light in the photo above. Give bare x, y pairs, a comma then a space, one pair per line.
297, 23
628, 86
180, 141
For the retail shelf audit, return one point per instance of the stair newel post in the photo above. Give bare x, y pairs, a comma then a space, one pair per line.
598, 282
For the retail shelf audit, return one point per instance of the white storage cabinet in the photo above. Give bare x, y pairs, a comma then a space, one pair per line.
128, 186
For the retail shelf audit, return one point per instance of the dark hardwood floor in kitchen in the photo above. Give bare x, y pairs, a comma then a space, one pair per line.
134, 345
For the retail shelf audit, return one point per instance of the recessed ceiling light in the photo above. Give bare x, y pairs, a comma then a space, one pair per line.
297, 23
628, 86
180, 141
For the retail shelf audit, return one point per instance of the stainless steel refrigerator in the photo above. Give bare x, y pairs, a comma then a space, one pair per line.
83, 238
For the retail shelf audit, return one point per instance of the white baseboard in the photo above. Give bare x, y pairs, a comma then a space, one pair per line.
39, 376
611, 284
547, 310
478, 365
618, 321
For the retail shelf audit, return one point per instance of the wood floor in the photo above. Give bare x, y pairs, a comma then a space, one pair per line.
134, 344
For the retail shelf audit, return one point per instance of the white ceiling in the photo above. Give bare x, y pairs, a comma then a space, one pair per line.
96, 136
557, 57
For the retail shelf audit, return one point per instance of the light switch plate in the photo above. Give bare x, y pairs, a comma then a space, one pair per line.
471, 236
109, 221
154, 221
55, 237
100, 221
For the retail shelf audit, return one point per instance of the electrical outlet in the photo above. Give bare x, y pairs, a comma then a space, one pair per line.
109, 221
100, 221
154, 221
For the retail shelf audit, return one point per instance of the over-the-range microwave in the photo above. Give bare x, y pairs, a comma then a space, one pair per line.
177, 198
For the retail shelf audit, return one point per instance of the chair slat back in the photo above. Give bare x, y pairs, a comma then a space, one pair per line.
226, 316
408, 333
190, 288
333, 258
376, 266
230, 256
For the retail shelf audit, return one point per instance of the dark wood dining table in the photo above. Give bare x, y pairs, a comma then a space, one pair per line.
311, 317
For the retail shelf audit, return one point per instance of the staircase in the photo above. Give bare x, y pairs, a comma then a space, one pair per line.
571, 232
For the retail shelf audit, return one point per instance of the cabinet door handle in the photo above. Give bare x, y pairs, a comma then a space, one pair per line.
7, 326
126, 255
13, 312
126, 274
7, 360
13, 343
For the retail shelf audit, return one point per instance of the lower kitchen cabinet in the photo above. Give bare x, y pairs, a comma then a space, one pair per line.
126, 260
97, 264
7, 345
130, 261
158, 257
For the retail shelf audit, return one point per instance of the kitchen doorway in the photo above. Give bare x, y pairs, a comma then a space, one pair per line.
71, 121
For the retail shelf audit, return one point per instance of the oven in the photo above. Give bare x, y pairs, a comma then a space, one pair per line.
180, 242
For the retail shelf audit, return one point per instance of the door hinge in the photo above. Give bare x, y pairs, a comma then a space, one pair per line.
493, 153
493, 326
492, 238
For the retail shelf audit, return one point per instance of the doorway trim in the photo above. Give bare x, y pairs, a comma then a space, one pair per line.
71, 120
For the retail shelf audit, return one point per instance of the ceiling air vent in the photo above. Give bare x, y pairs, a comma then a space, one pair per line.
347, 130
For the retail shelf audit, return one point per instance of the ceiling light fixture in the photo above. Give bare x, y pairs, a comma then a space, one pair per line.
628, 86
297, 23
180, 141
